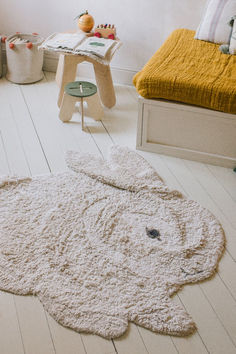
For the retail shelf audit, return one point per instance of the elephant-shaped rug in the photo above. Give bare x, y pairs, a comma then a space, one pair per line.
105, 243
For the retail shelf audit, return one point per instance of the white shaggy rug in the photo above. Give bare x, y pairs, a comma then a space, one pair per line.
105, 243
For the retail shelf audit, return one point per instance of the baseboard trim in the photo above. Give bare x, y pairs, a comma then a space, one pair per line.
119, 75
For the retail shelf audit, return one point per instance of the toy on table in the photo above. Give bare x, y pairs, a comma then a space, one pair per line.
105, 31
85, 21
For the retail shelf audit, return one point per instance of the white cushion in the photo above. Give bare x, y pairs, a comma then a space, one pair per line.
214, 23
232, 43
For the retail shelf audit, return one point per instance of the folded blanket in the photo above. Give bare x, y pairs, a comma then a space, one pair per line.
191, 71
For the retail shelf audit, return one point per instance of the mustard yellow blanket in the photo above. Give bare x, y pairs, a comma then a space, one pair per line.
191, 71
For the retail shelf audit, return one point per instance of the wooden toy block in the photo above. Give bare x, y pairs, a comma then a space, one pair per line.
105, 32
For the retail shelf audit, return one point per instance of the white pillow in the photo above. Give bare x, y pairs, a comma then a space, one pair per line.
214, 23
232, 43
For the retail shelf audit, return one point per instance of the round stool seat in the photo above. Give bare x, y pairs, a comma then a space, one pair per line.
80, 89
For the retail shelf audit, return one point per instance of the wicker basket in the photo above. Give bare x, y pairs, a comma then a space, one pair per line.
24, 60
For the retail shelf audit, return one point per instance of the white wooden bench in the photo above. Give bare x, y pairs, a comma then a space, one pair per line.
187, 131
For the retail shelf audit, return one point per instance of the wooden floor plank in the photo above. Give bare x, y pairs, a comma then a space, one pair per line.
25, 129
9, 326
131, 342
226, 314
33, 324
226, 177
121, 120
100, 136
4, 167
43, 117
209, 327
215, 190
95, 344
66, 341
156, 343
11, 141
226, 272
191, 344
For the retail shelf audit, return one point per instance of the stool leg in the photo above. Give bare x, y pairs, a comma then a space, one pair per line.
105, 84
95, 109
66, 72
82, 113
59, 72
67, 107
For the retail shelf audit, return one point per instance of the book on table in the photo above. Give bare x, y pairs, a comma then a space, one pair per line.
79, 43
67, 41
95, 45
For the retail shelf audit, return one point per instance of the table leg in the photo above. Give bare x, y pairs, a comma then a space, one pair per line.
105, 84
66, 72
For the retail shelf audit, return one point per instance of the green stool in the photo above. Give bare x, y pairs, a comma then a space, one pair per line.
81, 91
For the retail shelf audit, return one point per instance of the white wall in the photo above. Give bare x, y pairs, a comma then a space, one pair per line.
142, 25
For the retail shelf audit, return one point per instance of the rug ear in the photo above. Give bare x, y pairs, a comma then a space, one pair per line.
124, 169
85, 163
132, 163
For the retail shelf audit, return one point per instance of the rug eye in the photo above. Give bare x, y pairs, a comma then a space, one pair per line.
153, 233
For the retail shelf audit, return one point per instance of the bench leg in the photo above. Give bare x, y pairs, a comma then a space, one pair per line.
95, 109
67, 107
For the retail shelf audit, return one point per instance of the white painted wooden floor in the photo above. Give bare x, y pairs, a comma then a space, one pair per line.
33, 141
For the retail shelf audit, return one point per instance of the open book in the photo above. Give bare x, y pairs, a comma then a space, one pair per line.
79, 43
65, 40
95, 45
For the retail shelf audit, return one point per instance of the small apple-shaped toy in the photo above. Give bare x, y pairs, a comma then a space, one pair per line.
85, 21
